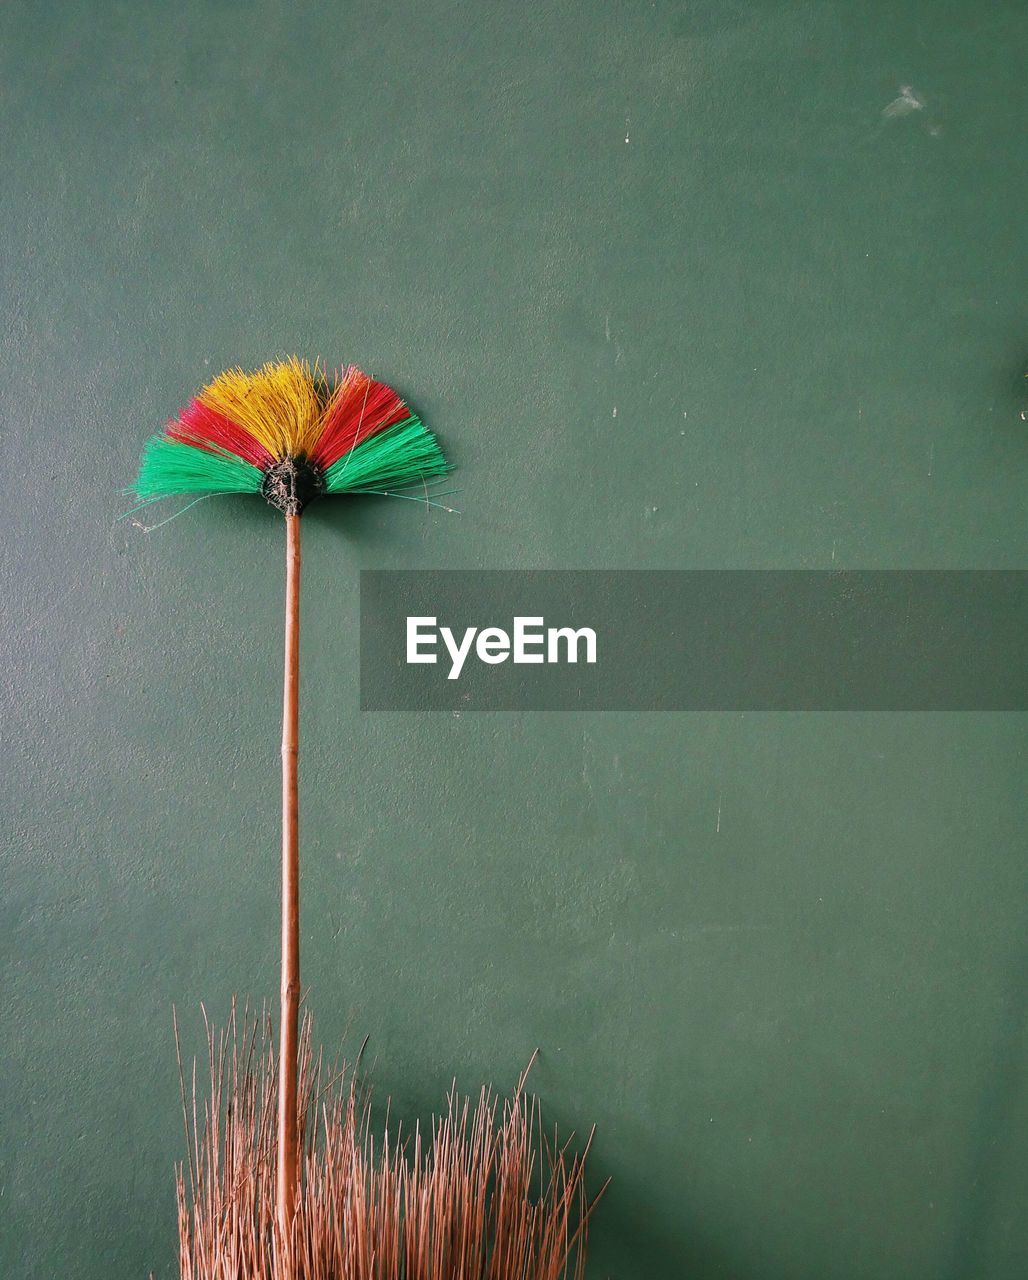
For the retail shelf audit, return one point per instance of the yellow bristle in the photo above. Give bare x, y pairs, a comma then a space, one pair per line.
278, 404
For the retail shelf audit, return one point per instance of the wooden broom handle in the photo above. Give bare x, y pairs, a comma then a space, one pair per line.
287, 1178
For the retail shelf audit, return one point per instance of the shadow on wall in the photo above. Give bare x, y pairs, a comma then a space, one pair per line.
627, 1239
360, 521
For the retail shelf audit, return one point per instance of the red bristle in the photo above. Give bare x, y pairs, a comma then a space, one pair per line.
359, 407
206, 428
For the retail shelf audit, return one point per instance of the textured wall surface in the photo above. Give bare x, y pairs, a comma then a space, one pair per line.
679, 285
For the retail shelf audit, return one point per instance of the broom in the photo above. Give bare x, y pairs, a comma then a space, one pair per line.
275, 433
464, 1206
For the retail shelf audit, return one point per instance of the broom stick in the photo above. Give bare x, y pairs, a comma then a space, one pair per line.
290, 995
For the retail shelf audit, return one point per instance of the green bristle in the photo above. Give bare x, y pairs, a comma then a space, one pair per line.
402, 455
170, 467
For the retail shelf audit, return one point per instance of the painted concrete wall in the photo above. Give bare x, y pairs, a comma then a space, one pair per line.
679, 285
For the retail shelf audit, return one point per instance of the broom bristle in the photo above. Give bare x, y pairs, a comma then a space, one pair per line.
246, 431
395, 458
278, 405
482, 1196
171, 466
204, 428
358, 407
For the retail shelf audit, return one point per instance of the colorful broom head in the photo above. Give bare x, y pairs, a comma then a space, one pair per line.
282, 432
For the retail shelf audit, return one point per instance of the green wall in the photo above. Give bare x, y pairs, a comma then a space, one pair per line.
776, 958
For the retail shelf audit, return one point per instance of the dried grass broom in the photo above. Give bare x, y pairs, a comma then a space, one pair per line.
457, 1206
483, 1196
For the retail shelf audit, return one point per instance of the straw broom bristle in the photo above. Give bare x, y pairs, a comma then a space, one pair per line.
482, 1196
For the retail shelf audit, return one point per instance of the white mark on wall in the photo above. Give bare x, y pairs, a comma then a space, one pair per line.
717, 828
627, 138
931, 460
833, 550
615, 413
587, 781
608, 334
902, 105
698, 930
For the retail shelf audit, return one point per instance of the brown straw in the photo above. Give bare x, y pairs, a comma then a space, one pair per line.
480, 1195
